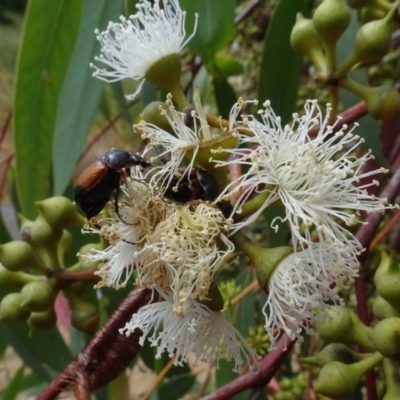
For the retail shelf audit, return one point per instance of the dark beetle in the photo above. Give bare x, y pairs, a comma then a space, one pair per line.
198, 185
95, 185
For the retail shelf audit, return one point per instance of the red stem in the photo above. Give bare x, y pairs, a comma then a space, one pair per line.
259, 378
106, 356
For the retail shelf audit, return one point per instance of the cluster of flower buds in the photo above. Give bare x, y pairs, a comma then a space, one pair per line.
35, 265
317, 39
342, 367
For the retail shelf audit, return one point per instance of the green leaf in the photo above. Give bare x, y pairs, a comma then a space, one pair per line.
215, 25
4, 234
224, 95
14, 387
34, 349
80, 92
48, 38
280, 65
176, 387
246, 316
227, 66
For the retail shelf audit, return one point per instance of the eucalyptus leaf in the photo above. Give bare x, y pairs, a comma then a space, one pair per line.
81, 92
280, 65
215, 25
49, 35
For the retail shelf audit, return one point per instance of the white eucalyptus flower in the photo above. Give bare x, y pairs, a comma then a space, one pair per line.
131, 47
192, 137
192, 244
192, 329
318, 179
141, 208
299, 293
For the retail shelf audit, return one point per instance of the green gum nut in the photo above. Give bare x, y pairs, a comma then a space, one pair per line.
344, 326
152, 114
37, 296
392, 379
334, 352
387, 279
383, 309
331, 19
45, 239
59, 212
357, 4
17, 255
384, 102
386, 338
338, 381
11, 309
368, 14
42, 321
374, 39
305, 40
45, 235
10, 279
85, 316
84, 264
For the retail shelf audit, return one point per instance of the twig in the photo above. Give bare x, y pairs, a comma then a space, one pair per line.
259, 378
106, 356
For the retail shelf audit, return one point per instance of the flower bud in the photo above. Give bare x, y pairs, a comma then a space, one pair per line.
368, 14
43, 234
45, 239
85, 316
386, 337
357, 4
331, 19
334, 352
392, 379
374, 39
344, 326
26, 226
154, 113
85, 263
11, 309
383, 102
387, 279
42, 321
10, 279
305, 40
59, 212
17, 255
382, 309
338, 381
37, 296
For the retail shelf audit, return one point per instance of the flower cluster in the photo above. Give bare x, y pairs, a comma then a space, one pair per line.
176, 250
310, 168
